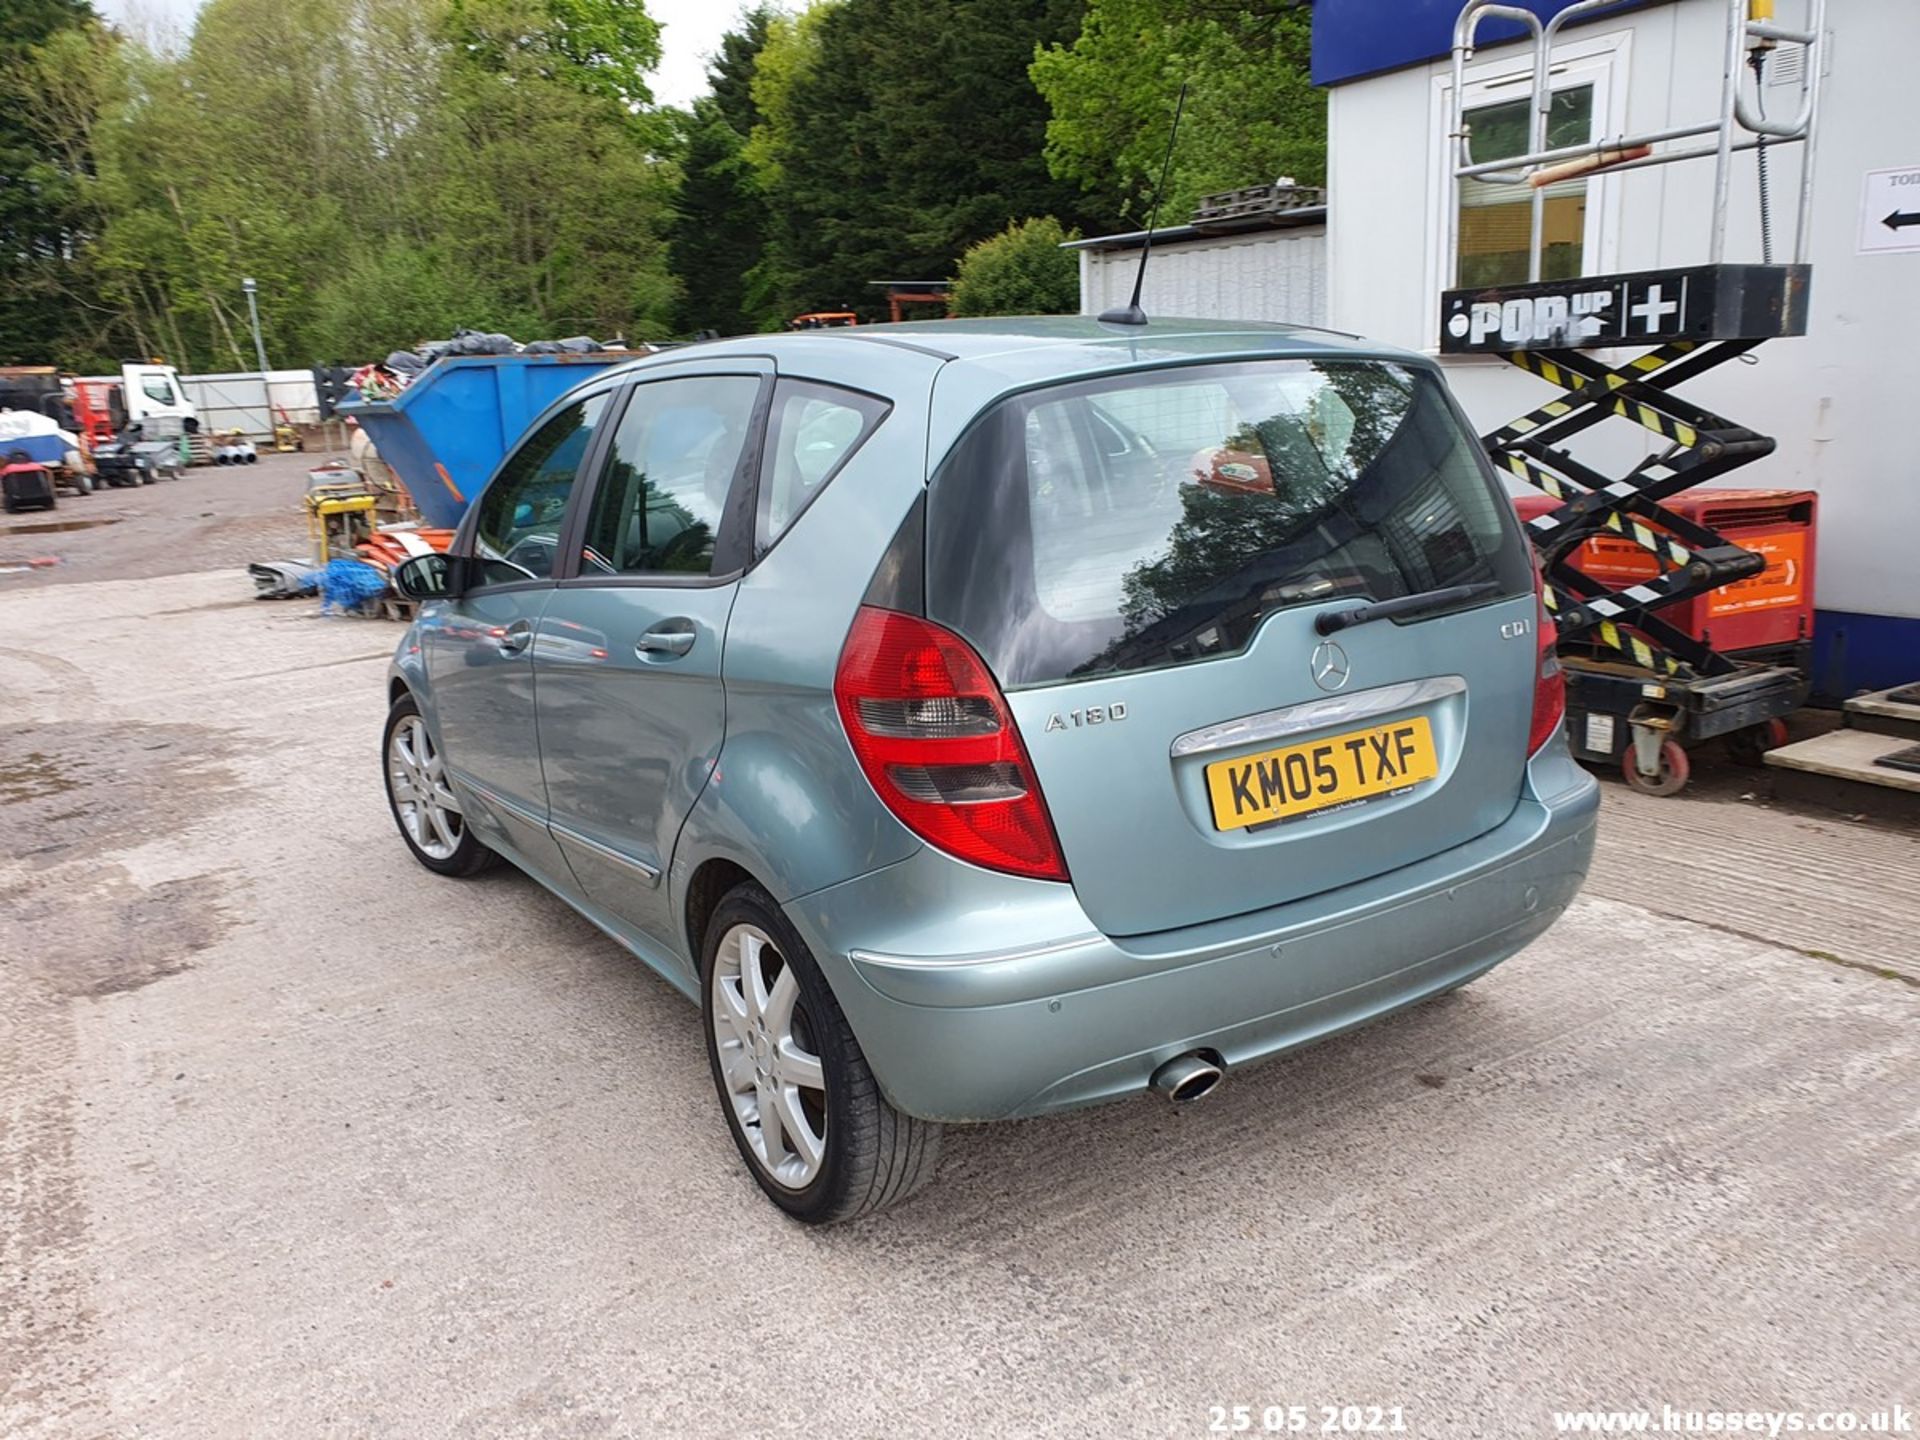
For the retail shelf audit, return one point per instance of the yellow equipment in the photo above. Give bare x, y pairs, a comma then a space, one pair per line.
339, 515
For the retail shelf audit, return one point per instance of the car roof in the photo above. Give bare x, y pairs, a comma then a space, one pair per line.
972, 362
988, 336
991, 358
1064, 344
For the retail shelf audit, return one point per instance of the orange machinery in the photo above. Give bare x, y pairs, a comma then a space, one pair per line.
1769, 611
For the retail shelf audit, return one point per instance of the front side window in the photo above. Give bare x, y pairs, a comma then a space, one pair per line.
1157, 518
517, 533
813, 431
1496, 221
158, 387
675, 460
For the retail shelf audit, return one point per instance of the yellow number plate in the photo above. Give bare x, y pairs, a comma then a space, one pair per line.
1299, 779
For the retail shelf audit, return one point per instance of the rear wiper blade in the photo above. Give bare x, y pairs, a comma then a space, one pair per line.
1404, 605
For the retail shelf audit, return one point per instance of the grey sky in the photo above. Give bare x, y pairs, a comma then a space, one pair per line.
690, 32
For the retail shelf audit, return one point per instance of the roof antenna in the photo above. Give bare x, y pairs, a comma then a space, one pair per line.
1131, 313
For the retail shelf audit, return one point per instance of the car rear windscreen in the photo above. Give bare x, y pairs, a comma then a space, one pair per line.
1155, 518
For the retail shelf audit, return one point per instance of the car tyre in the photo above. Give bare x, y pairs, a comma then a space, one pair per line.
425, 809
794, 1045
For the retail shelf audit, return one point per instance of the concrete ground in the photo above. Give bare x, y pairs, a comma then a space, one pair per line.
297, 1139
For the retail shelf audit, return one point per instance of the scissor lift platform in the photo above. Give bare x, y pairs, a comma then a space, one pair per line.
1639, 686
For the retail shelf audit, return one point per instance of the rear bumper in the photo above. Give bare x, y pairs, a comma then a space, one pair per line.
978, 996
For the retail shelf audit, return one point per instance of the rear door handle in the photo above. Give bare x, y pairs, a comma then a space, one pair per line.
516, 637
668, 640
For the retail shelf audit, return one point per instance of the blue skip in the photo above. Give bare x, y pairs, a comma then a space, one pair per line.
446, 432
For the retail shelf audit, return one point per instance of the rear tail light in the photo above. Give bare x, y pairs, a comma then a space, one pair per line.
934, 736
1549, 680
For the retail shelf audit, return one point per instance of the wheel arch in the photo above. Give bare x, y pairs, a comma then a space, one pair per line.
706, 888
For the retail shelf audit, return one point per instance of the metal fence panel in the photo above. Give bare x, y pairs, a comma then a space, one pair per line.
249, 402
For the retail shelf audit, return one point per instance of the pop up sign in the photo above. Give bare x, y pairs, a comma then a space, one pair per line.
1648, 307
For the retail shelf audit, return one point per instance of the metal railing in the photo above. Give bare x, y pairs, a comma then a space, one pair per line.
1737, 115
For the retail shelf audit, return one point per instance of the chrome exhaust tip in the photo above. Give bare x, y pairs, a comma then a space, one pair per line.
1187, 1077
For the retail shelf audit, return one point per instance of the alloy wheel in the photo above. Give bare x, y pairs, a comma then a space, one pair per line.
417, 780
772, 1073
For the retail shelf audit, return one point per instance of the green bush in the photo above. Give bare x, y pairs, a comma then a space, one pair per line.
1020, 271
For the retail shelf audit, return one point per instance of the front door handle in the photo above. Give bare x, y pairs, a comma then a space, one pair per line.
516, 637
668, 640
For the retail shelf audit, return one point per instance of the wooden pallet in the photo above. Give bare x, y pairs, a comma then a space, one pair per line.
1256, 200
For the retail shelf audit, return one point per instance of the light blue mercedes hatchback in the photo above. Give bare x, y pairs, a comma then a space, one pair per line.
982, 718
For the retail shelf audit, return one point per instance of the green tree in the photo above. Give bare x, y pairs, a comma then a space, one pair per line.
387, 170
731, 75
388, 297
242, 156
43, 229
1020, 271
783, 71
1252, 112
895, 134
719, 227
549, 198
599, 47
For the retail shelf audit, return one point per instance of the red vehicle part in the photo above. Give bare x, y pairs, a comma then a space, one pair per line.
94, 407
936, 740
1549, 680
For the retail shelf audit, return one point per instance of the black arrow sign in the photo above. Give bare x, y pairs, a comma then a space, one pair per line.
1899, 220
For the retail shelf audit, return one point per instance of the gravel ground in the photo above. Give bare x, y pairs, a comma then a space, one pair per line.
215, 517
297, 1139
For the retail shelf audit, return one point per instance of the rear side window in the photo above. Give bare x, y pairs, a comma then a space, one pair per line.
1156, 518
813, 431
